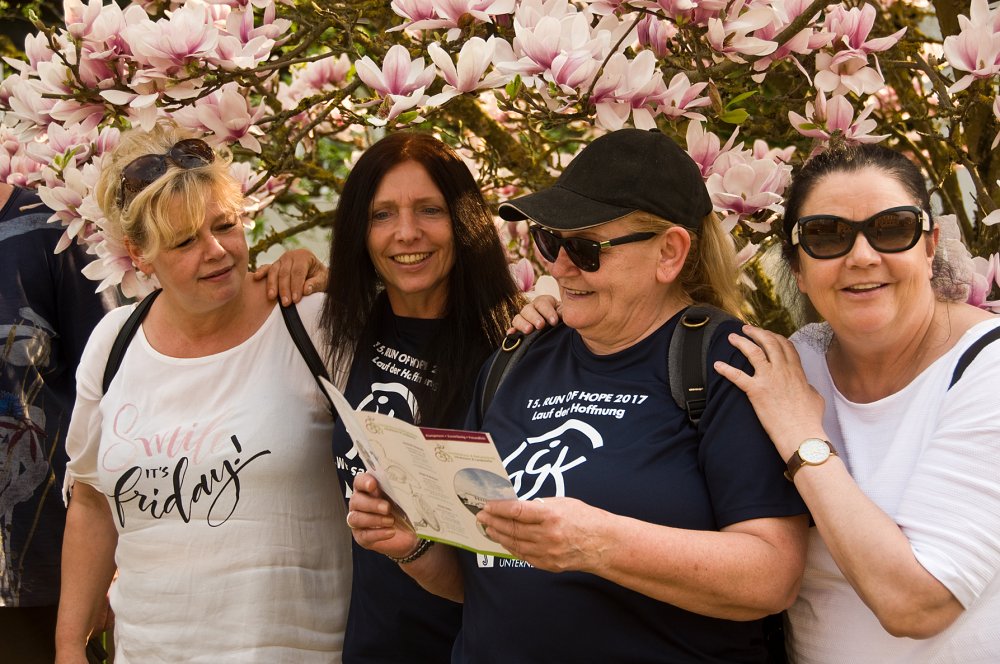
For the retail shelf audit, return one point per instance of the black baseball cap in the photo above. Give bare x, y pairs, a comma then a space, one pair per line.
622, 172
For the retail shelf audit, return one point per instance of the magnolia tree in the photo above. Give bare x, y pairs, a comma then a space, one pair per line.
297, 90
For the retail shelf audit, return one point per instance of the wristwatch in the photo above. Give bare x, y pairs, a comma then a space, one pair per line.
812, 452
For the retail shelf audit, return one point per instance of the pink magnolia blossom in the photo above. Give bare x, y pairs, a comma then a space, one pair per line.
400, 82
24, 98
706, 148
314, 77
169, 44
524, 275
976, 48
63, 194
835, 118
467, 76
540, 44
805, 41
748, 188
70, 144
852, 27
399, 75
996, 114
680, 97
675, 9
731, 36
415, 10
656, 35
985, 278
226, 115
448, 13
113, 265
80, 17
847, 69
628, 87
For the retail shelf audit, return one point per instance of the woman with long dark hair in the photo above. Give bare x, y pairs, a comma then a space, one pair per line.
419, 294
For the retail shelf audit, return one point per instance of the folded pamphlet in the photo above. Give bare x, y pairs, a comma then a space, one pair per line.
439, 479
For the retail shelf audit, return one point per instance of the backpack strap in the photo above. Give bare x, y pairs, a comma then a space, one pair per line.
688, 355
124, 338
306, 348
512, 349
290, 315
971, 352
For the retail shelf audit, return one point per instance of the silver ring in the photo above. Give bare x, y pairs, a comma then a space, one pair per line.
348, 520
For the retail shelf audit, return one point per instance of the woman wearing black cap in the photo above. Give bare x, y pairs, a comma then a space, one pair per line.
640, 537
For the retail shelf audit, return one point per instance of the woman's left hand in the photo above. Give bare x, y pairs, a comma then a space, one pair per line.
787, 405
295, 273
554, 534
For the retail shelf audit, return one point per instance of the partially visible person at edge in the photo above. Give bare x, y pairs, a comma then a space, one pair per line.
47, 310
419, 294
904, 561
648, 539
204, 470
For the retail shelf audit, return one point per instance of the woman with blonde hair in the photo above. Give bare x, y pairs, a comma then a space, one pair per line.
640, 537
202, 471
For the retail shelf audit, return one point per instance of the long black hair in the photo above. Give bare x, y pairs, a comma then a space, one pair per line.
482, 297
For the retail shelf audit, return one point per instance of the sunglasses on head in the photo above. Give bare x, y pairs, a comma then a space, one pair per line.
143, 171
889, 231
585, 254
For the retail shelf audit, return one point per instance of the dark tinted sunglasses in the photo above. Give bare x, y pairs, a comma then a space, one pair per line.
143, 171
585, 254
888, 232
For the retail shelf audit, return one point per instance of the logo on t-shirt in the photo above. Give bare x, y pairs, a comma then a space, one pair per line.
537, 465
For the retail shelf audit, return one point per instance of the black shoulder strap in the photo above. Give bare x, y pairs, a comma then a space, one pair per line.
124, 338
688, 355
971, 352
512, 349
306, 348
292, 321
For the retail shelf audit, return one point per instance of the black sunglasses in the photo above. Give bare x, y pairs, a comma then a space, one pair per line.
585, 254
143, 171
889, 231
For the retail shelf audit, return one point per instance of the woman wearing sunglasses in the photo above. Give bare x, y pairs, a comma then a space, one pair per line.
640, 537
202, 474
898, 462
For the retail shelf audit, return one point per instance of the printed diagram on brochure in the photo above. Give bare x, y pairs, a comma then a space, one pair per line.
439, 479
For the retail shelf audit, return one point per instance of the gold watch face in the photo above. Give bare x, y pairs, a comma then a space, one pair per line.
814, 451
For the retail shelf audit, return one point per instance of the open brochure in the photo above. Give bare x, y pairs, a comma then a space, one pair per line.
439, 479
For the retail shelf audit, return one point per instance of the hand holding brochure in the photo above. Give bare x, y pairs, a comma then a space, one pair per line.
438, 478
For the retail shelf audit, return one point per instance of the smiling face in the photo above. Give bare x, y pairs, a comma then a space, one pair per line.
631, 293
410, 241
204, 270
866, 292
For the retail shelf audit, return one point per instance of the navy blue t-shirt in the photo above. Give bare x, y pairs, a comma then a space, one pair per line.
392, 619
605, 430
47, 311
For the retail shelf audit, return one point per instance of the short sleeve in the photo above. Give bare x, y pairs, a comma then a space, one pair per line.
84, 435
950, 511
744, 472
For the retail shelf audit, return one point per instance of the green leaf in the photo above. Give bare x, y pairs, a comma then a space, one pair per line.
738, 98
735, 116
513, 87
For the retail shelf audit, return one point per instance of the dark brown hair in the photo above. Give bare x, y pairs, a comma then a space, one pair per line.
482, 296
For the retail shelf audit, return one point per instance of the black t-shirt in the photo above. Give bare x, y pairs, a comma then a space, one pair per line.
392, 619
605, 430
47, 311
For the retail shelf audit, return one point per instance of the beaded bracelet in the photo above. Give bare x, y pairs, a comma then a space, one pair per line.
421, 549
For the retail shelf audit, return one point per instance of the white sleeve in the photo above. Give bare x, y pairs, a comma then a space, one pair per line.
84, 435
951, 509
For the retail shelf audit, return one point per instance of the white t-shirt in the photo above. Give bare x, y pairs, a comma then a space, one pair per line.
929, 457
232, 541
